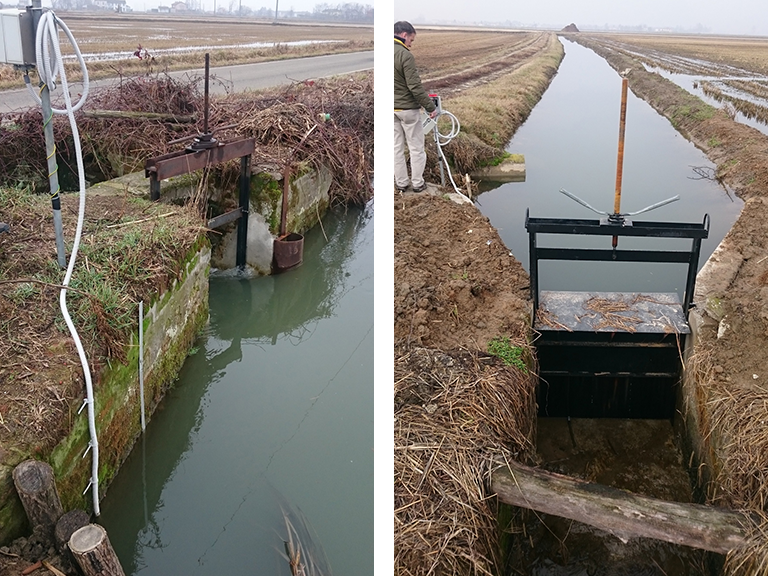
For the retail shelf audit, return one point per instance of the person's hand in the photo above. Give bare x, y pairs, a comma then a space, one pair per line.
433, 113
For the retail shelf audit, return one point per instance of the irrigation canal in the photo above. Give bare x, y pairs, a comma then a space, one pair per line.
274, 409
570, 141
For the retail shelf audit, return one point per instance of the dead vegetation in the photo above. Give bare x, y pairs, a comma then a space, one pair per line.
289, 125
456, 414
122, 264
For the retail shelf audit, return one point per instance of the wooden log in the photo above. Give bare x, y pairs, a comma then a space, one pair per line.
67, 525
93, 552
36, 486
622, 513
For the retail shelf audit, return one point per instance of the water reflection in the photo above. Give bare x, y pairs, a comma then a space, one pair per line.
291, 302
279, 394
570, 141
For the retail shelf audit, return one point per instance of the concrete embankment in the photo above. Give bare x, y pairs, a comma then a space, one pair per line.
172, 321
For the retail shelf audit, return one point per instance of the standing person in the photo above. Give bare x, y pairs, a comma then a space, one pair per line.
410, 97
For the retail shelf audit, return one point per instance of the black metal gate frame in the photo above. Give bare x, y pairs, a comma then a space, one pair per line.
186, 161
605, 227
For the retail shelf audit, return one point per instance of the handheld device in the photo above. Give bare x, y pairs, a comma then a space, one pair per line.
428, 124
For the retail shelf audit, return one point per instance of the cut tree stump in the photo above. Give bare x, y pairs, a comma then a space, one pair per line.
622, 513
67, 525
91, 548
36, 486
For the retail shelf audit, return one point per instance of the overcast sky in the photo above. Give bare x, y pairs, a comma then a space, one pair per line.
713, 16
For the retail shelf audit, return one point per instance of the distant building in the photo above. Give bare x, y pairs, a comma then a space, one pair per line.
179, 7
112, 5
164, 9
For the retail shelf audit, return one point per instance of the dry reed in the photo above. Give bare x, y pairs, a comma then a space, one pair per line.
735, 417
454, 415
279, 119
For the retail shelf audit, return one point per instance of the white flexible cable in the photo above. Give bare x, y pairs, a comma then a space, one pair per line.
443, 139
47, 35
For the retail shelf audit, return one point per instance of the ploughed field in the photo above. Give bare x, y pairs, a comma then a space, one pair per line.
171, 42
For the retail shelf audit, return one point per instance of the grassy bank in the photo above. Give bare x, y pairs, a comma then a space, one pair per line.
491, 113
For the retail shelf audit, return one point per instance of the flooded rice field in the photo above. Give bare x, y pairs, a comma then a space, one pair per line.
742, 91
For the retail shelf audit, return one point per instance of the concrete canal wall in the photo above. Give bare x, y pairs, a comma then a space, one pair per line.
720, 359
171, 324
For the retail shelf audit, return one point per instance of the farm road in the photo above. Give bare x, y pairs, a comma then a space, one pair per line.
242, 77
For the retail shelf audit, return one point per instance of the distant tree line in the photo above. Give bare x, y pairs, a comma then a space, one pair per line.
349, 11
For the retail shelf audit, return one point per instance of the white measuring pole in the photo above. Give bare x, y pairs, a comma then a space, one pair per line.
141, 362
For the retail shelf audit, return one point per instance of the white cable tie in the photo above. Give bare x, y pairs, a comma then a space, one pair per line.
90, 445
90, 483
85, 403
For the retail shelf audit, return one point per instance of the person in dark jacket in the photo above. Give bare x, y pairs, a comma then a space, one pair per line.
410, 98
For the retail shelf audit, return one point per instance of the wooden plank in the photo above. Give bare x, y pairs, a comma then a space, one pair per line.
654, 313
624, 514
225, 218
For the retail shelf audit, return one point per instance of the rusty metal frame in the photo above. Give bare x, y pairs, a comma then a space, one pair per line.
186, 161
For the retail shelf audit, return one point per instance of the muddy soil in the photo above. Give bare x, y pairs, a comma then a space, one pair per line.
456, 284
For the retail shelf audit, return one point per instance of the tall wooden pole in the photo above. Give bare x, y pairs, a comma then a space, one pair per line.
620, 159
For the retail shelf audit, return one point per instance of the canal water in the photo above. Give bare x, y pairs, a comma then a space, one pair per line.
272, 414
570, 141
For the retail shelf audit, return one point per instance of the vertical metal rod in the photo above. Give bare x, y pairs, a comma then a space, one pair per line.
50, 151
242, 223
154, 187
284, 208
141, 363
205, 112
53, 174
620, 159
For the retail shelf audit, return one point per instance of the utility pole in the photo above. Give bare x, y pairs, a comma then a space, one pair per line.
276, 3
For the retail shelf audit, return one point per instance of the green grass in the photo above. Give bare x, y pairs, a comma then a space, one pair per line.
118, 264
511, 355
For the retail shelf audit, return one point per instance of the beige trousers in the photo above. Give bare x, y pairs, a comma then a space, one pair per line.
408, 131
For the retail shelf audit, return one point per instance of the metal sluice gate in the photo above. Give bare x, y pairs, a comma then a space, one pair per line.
611, 354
